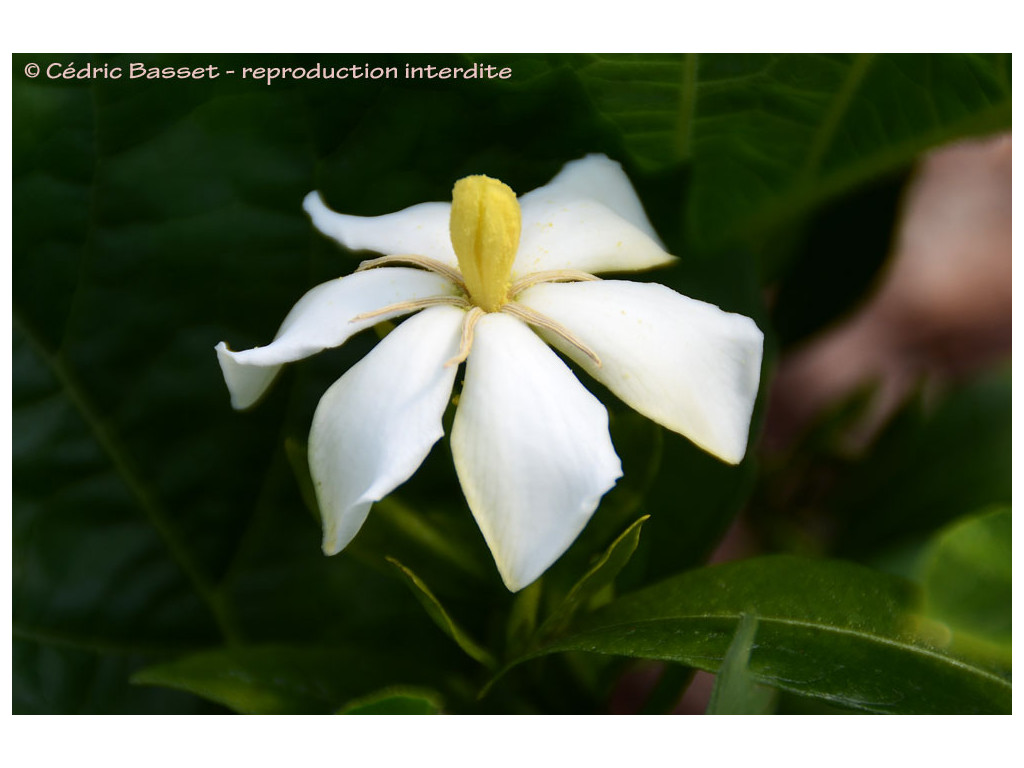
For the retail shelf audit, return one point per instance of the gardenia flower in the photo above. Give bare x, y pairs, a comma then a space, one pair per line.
493, 278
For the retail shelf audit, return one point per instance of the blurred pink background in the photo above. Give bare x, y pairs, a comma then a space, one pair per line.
941, 312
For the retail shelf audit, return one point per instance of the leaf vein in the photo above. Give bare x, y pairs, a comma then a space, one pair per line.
120, 460
866, 636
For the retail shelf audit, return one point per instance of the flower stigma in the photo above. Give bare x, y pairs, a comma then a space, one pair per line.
485, 224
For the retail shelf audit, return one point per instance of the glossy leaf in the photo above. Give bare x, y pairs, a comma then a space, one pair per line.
826, 629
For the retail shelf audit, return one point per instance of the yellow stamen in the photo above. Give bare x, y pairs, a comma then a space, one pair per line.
485, 224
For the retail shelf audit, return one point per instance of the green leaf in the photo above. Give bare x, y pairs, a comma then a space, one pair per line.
101, 581
129, 494
601, 575
968, 585
650, 99
827, 629
279, 679
771, 136
396, 701
442, 619
736, 692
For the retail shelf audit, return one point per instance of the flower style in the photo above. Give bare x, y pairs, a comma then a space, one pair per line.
494, 277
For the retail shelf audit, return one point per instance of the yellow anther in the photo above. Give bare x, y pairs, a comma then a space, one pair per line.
485, 225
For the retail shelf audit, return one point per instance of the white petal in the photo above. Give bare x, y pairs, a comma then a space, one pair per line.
684, 363
246, 383
587, 218
601, 179
376, 424
420, 230
531, 448
323, 319
569, 232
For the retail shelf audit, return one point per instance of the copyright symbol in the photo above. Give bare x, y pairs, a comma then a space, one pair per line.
32, 70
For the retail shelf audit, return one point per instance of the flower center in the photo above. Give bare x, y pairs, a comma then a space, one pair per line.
485, 224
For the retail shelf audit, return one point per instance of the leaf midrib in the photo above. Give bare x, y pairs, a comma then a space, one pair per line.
827, 128
802, 198
864, 636
687, 107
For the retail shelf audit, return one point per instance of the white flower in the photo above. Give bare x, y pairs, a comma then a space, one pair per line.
495, 278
